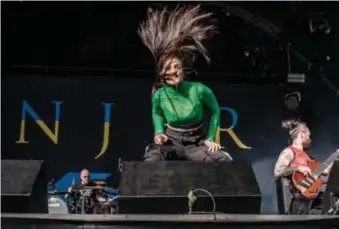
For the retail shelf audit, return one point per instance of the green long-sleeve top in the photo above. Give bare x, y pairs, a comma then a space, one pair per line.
184, 107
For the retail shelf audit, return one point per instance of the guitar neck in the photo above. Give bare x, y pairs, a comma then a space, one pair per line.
325, 164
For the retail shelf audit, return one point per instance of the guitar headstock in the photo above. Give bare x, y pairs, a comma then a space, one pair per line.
337, 154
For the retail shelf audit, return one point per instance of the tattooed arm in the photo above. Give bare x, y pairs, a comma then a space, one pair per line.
282, 167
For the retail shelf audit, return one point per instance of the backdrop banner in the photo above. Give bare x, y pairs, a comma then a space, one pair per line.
75, 123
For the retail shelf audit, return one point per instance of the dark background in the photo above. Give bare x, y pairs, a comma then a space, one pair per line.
102, 36
87, 53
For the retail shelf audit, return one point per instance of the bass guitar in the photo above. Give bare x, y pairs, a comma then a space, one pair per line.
310, 185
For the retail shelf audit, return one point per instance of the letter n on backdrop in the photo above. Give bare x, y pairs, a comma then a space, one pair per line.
27, 109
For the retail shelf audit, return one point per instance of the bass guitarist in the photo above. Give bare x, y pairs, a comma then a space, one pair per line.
294, 158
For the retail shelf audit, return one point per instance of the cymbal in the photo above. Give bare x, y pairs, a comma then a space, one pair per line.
57, 193
92, 187
100, 182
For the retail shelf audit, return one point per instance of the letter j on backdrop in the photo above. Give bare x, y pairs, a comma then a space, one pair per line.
27, 109
107, 124
54, 135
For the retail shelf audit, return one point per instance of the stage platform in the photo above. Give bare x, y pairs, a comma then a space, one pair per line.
196, 221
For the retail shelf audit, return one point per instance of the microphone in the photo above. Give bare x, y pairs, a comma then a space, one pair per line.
72, 185
334, 208
335, 203
192, 197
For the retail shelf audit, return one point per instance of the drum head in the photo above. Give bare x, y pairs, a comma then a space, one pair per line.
57, 206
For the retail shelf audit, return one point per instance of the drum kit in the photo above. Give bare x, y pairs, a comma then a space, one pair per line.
57, 205
60, 202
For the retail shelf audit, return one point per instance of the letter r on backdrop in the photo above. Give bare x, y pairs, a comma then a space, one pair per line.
229, 130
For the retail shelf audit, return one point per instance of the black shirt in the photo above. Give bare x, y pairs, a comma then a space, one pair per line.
84, 199
78, 190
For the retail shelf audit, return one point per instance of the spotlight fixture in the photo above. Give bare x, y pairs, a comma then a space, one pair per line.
259, 59
319, 23
293, 77
292, 100
226, 12
296, 78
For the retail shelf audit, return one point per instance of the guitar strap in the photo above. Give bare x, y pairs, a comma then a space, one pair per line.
292, 148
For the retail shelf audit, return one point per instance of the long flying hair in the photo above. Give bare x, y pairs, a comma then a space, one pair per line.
177, 33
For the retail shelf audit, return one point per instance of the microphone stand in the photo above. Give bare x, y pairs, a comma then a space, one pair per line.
83, 205
192, 197
334, 210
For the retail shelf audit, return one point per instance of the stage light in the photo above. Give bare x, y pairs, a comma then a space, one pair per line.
292, 100
247, 53
319, 23
226, 12
292, 77
296, 78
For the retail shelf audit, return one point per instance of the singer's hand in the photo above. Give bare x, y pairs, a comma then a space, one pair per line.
160, 139
153, 90
212, 146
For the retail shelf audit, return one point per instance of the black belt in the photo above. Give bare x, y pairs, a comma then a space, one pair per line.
191, 136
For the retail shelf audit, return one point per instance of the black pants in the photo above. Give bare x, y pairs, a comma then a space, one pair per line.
302, 206
184, 146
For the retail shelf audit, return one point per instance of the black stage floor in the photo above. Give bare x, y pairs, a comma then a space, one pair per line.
196, 221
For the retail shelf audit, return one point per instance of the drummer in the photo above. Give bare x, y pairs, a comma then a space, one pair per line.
95, 199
